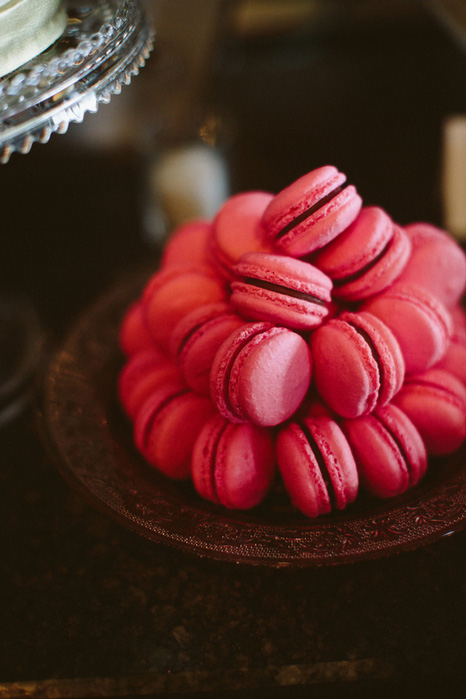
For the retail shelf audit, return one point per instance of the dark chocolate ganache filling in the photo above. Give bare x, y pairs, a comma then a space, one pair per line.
321, 463
312, 210
279, 289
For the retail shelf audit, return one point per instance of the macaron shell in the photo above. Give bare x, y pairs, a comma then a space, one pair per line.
166, 428
388, 450
322, 226
435, 402
270, 377
233, 465
364, 240
199, 352
344, 369
277, 296
376, 272
446, 279
302, 473
134, 335
187, 245
385, 350
454, 359
142, 374
237, 229
418, 320
171, 295
245, 465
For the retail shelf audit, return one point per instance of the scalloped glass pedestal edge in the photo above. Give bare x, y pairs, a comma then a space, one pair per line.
104, 44
91, 441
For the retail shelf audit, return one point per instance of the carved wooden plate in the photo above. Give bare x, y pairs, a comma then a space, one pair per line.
92, 441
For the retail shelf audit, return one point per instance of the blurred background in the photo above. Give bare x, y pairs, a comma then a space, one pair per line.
244, 94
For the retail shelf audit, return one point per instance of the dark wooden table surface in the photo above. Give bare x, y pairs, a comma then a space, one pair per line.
90, 609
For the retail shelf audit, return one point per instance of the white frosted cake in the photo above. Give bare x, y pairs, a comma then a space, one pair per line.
27, 27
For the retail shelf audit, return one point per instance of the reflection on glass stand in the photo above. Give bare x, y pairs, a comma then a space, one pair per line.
104, 45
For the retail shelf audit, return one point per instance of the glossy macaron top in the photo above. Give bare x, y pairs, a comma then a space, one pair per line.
280, 289
233, 464
260, 374
311, 211
357, 363
237, 228
317, 465
367, 257
437, 262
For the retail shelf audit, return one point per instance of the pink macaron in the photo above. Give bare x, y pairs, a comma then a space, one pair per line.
187, 245
237, 228
261, 374
196, 339
233, 464
437, 263
420, 322
281, 289
317, 466
435, 402
388, 450
134, 334
367, 257
311, 212
357, 363
454, 359
167, 425
142, 374
172, 293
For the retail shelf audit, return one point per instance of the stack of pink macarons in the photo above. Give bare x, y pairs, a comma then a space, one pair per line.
300, 336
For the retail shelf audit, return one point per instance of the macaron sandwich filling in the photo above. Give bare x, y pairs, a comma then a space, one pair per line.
311, 211
342, 281
319, 457
286, 290
372, 348
143, 438
400, 445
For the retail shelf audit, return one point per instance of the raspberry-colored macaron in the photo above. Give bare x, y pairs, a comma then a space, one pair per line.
142, 374
187, 245
420, 322
311, 212
260, 374
435, 402
437, 263
357, 363
281, 289
171, 294
367, 257
237, 228
388, 449
233, 464
317, 466
134, 334
167, 425
196, 339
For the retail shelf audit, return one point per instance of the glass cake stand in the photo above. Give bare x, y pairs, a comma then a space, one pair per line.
104, 45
